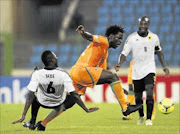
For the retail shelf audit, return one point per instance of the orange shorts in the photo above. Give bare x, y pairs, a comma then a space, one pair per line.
84, 77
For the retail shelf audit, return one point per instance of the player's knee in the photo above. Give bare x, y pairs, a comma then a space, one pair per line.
149, 87
149, 100
114, 77
149, 91
149, 94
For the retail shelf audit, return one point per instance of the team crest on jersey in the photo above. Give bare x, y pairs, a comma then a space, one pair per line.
149, 37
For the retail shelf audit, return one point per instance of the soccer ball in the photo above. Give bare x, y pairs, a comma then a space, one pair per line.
166, 106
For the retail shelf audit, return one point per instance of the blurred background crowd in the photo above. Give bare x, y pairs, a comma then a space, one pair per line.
28, 27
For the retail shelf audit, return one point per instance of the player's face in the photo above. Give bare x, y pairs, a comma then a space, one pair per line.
115, 40
143, 26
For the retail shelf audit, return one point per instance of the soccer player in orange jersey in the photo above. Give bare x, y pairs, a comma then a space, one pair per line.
90, 69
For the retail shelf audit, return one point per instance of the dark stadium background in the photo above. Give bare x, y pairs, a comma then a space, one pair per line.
28, 27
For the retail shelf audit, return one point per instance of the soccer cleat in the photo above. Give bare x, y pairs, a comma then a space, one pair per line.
26, 124
141, 120
131, 109
40, 127
128, 117
149, 122
30, 125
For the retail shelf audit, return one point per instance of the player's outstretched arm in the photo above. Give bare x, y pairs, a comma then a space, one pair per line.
86, 35
78, 100
161, 59
29, 100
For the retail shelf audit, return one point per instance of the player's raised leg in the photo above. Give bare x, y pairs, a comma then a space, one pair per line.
112, 79
71, 99
130, 100
68, 103
41, 125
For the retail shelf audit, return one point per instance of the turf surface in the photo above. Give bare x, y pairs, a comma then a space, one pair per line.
107, 120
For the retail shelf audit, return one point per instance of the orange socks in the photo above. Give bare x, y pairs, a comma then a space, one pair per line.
118, 91
130, 99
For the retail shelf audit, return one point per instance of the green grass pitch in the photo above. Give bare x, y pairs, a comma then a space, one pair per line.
107, 120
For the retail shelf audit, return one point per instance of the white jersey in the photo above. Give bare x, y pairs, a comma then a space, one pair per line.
142, 50
50, 86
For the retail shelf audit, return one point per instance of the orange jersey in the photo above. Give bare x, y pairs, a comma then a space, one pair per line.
130, 73
95, 55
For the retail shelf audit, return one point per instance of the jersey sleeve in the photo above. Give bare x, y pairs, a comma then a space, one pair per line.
157, 44
34, 83
127, 47
98, 39
68, 83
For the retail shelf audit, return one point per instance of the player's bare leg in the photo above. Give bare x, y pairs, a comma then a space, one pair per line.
112, 79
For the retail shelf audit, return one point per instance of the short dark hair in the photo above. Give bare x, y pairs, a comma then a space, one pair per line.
114, 29
47, 56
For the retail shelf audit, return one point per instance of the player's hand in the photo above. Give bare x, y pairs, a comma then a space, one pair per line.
117, 67
125, 91
166, 71
92, 109
80, 29
20, 120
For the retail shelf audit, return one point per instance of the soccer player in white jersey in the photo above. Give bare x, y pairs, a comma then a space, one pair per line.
50, 84
142, 45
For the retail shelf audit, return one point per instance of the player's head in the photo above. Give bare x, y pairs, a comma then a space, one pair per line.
49, 58
143, 24
114, 34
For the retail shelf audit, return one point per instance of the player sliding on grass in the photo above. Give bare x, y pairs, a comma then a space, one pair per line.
90, 69
50, 83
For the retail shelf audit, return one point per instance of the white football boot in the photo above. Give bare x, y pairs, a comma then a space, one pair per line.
141, 120
149, 122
